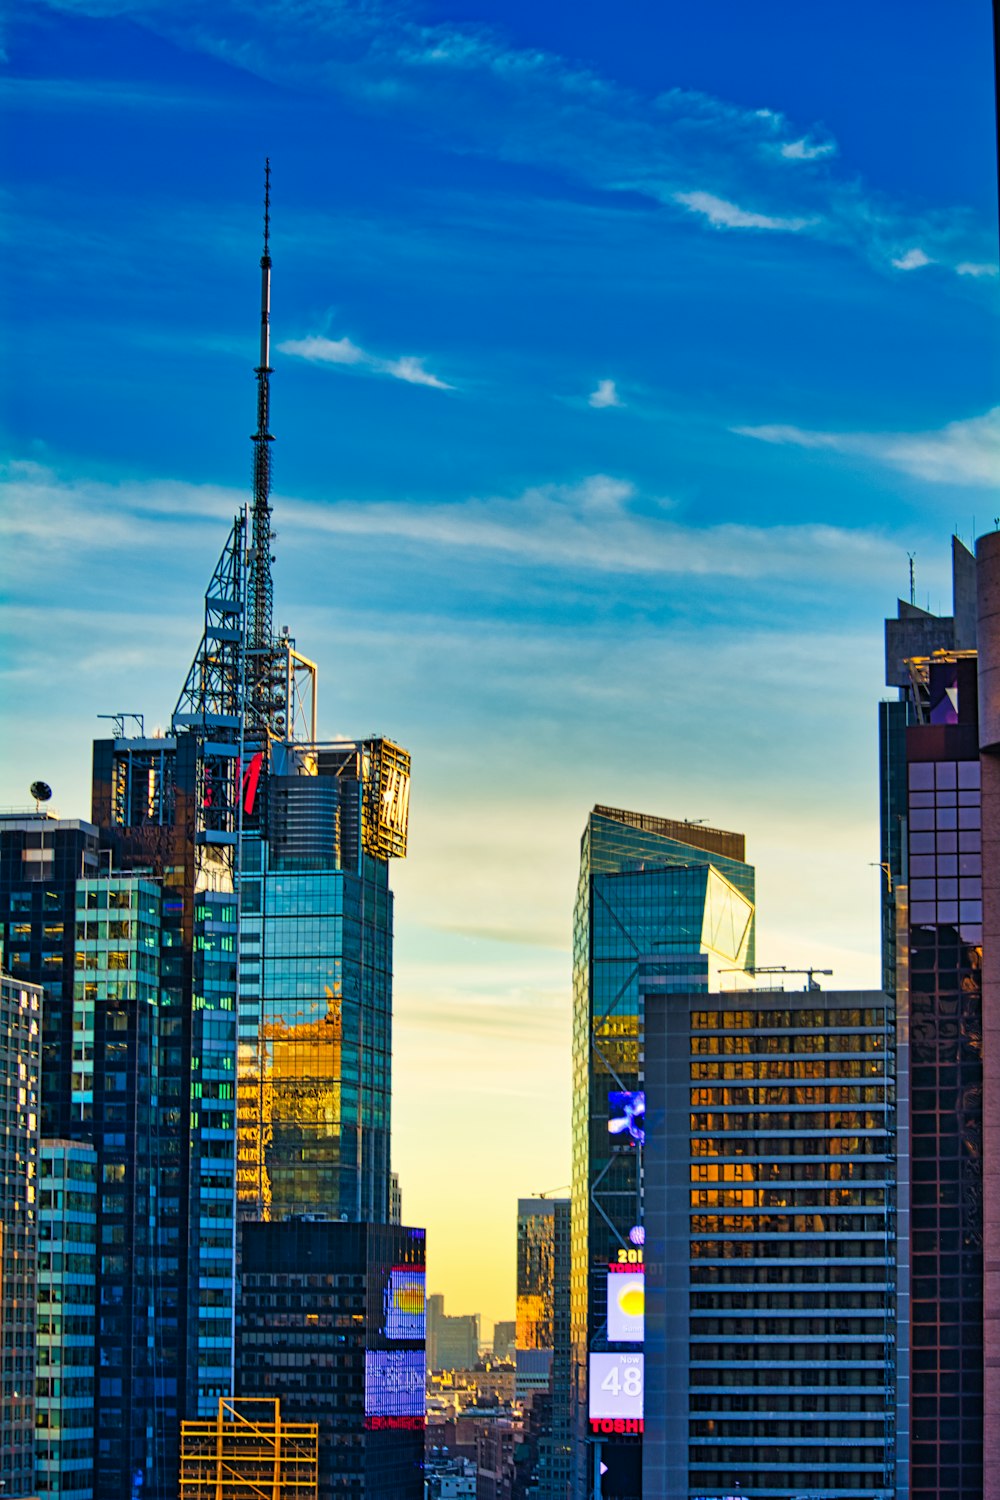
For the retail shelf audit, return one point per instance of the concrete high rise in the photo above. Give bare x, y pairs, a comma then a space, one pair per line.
770, 1272
661, 906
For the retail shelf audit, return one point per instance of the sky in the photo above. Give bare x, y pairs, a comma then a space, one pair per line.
621, 357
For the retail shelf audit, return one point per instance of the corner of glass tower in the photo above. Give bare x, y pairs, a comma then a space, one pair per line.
662, 906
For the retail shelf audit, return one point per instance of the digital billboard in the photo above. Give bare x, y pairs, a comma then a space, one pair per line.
394, 1382
616, 1386
627, 1114
626, 1305
404, 1304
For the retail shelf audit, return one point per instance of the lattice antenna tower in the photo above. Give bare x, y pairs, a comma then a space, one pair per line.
260, 631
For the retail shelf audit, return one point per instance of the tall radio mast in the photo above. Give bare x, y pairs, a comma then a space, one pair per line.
260, 602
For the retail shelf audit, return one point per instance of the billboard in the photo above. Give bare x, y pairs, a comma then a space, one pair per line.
394, 1382
626, 1305
616, 1386
627, 1115
404, 1305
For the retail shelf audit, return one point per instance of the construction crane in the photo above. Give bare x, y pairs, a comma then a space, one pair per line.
783, 969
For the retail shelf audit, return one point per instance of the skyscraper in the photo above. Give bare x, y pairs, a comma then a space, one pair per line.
333, 1323
66, 1323
542, 1380
41, 859
770, 1266
933, 957
20, 1045
316, 981
661, 905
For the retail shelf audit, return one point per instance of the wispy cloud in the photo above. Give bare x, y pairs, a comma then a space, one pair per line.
912, 260
965, 452
324, 351
723, 215
977, 268
601, 523
805, 149
468, 84
606, 394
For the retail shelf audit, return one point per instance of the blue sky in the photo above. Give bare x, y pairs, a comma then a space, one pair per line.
620, 359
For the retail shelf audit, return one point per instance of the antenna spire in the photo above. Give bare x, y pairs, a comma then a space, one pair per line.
260, 697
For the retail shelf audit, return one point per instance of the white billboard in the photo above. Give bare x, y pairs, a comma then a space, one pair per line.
626, 1306
616, 1385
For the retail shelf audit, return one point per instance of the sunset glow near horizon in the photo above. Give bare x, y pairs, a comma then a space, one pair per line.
620, 361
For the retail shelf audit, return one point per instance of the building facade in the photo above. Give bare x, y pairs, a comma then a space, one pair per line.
315, 1057
452, 1339
66, 1300
543, 1340
770, 1272
931, 804
41, 859
660, 905
20, 1106
333, 1321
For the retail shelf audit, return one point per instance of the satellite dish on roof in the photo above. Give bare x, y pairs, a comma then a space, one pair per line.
41, 791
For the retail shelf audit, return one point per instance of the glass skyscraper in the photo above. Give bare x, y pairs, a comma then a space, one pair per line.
66, 1300
660, 904
933, 950
315, 1056
20, 1105
542, 1379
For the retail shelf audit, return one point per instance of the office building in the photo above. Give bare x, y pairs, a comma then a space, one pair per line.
661, 905
41, 859
769, 1280
933, 955
452, 1340
333, 1321
66, 1300
504, 1340
542, 1380
316, 982
20, 1044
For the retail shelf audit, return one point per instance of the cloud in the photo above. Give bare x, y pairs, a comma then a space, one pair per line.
467, 84
807, 150
725, 215
965, 452
326, 351
912, 260
606, 394
974, 268
412, 370
600, 523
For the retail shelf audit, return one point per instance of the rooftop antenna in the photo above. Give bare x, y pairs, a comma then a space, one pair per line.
913, 587
260, 602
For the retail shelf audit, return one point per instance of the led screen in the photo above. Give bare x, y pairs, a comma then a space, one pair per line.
404, 1304
394, 1382
627, 1115
616, 1385
626, 1305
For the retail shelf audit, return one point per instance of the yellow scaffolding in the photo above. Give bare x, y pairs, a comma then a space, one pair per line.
248, 1453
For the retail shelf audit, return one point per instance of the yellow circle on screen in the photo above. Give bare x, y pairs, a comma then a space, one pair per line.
632, 1300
